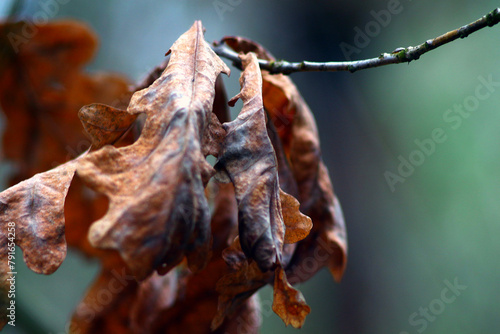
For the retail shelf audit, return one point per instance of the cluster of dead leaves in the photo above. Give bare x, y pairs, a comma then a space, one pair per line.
184, 246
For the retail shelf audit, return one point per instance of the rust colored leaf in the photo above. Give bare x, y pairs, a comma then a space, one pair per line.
237, 286
106, 305
179, 302
328, 235
247, 319
298, 133
36, 206
105, 124
158, 216
32, 217
196, 302
158, 212
42, 87
248, 159
288, 302
297, 224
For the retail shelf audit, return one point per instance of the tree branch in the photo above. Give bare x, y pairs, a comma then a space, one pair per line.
400, 55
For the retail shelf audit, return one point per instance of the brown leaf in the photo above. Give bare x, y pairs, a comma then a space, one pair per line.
105, 124
237, 286
297, 224
247, 319
326, 244
35, 207
248, 159
157, 212
288, 302
179, 302
196, 303
328, 235
107, 303
42, 87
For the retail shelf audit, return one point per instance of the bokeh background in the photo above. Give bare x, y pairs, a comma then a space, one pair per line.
440, 225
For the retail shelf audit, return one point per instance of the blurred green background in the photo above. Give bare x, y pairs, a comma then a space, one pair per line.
406, 244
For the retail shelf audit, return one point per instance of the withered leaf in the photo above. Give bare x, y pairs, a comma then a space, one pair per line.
297, 225
288, 302
158, 212
107, 304
35, 209
105, 124
248, 159
297, 130
316, 195
237, 286
42, 87
196, 302
179, 302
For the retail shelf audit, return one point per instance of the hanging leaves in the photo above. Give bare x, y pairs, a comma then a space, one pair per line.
249, 160
42, 86
158, 212
169, 263
288, 302
326, 244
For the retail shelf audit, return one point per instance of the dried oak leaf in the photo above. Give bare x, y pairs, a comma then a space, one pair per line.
42, 87
327, 241
36, 208
158, 212
249, 160
105, 124
288, 303
196, 303
107, 303
237, 286
179, 302
326, 244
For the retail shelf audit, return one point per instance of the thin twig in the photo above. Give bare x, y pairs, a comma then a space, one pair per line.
400, 55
